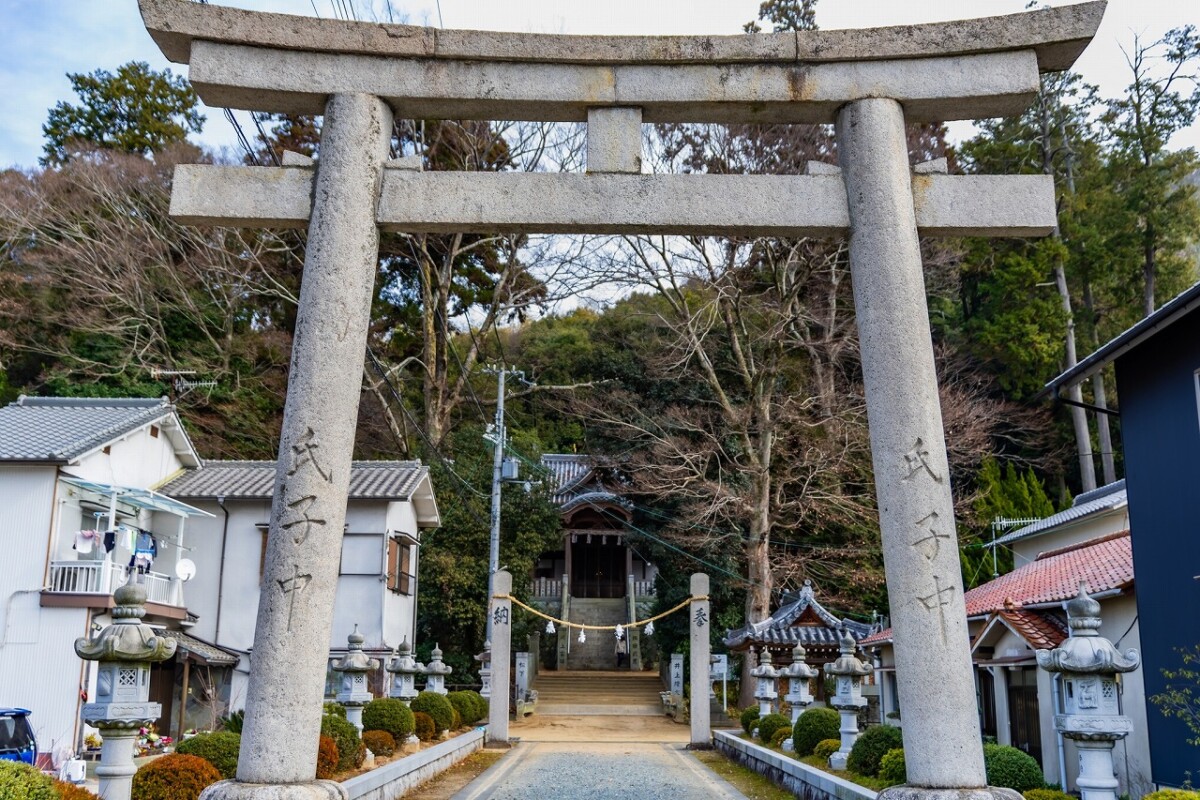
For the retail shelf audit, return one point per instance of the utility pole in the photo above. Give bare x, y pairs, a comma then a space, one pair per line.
500, 439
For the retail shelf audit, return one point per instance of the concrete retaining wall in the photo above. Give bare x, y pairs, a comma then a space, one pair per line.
802, 780
394, 779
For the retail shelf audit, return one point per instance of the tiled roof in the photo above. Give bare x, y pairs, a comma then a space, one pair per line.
59, 429
1105, 563
1097, 501
379, 480
203, 651
567, 471
784, 626
1041, 630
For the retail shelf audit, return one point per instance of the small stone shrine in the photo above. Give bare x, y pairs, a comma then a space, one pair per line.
1091, 714
125, 650
848, 670
354, 668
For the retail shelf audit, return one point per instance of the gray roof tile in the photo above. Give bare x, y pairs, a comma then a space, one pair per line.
1087, 504
369, 480
779, 628
59, 429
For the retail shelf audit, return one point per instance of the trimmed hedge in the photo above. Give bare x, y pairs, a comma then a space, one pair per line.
870, 748
437, 707
1172, 794
466, 706
748, 718
20, 781
174, 777
69, 791
825, 748
391, 715
327, 758
771, 723
1057, 794
814, 726
380, 743
1011, 768
219, 749
425, 726
893, 769
350, 747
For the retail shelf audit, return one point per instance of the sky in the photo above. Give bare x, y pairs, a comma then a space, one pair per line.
42, 40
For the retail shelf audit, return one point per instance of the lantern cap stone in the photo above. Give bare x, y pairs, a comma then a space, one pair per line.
127, 639
848, 664
1086, 652
355, 659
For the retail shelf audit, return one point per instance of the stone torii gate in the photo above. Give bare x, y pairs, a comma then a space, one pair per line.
869, 83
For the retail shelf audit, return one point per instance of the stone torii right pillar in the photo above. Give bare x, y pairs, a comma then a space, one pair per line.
942, 748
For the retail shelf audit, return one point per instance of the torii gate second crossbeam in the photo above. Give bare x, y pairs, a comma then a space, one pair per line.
869, 83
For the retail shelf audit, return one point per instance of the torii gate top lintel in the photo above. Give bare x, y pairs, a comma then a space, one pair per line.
292, 64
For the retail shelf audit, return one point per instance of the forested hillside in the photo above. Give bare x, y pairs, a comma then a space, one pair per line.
719, 377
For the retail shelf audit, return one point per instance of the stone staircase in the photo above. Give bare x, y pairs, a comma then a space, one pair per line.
592, 693
598, 651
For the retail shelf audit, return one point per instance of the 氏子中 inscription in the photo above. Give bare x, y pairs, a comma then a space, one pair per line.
917, 461
291, 587
299, 516
937, 600
930, 544
304, 453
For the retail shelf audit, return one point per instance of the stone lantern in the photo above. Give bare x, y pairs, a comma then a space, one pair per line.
765, 692
125, 650
1091, 716
485, 671
404, 669
849, 670
436, 672
798, 673
354, 667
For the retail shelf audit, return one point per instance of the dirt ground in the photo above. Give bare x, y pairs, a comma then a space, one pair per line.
541, 728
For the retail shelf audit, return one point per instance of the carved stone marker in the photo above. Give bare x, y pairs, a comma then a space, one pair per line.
700, 623
501, 615
869, 82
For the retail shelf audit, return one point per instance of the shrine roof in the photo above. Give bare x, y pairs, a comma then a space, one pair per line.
800, 619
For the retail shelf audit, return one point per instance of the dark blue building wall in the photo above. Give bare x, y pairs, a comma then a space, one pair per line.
1160, 432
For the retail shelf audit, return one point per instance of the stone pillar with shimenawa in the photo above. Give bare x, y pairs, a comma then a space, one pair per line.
700, 624
848, 671
354, 668
501, 656
125, 650
1091, 715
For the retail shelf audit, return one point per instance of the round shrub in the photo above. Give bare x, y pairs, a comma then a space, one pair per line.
771, 723
1056, 794
870, 748
174, 777
437, 707
327, 758
813, 726
19, 781
1171, 794
748, 718
335, 708
218, 749
69, 791
892, 768
425, 727
345, 736
481, 705
465, 705
780, 735
1011, 768
825, 748
388, 714
457, 720
380, 743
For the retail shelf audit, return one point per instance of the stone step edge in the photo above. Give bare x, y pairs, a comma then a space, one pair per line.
555, 710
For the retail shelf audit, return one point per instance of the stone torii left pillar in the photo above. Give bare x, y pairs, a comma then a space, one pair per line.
291, 640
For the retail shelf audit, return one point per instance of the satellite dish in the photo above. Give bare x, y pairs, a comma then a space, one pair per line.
185, 569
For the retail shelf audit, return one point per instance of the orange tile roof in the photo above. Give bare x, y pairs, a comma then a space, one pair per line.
1041, 631
1106, 563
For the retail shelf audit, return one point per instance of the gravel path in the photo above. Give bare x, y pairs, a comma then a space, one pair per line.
599, 771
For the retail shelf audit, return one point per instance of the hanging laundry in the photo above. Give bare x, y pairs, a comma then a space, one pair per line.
86, 540
145, 550
110, 541
125, 537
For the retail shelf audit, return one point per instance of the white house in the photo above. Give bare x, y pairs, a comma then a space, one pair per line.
94, 490
1022, 611
390, 504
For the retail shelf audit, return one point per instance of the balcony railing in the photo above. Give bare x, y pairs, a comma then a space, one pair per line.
643, 588
552, 588
546, 587
103, 578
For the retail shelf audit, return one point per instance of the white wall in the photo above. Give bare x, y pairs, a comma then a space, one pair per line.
1027, 550
137, 459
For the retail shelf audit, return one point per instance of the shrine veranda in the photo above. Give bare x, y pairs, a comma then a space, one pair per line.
868, 83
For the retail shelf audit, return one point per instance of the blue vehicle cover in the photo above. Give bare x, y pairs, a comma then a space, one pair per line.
17, 742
